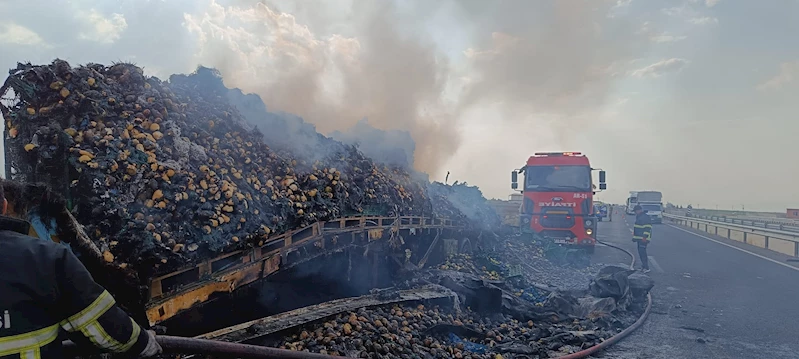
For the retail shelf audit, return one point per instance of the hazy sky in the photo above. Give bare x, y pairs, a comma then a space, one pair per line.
695, 98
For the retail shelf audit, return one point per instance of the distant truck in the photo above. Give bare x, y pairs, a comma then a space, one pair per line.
654, 211
652, 203
649, 197
558, 194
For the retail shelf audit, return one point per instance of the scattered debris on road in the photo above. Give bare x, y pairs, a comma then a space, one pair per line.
498, 312
700, 330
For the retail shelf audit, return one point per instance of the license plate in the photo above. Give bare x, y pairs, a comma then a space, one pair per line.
561, 241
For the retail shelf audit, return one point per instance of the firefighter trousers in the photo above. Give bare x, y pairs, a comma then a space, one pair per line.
642, 255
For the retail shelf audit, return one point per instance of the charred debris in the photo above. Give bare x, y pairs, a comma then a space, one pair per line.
480, 305
163, 174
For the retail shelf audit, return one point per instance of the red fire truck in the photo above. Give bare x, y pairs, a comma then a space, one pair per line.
558, 198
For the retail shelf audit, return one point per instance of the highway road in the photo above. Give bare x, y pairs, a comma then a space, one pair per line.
710, 300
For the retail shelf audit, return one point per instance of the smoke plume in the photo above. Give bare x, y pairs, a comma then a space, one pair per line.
395, 80
393, 147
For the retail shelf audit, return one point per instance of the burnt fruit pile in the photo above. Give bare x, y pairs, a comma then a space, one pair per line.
163, 174
417, 331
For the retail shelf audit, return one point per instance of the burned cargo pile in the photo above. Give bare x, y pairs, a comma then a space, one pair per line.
488, 319
514, 258
163, 174
507, 305
417, 331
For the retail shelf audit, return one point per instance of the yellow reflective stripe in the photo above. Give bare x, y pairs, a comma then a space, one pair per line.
28, 343
643, 226
134, 336
31, 354
100, 338
89, 315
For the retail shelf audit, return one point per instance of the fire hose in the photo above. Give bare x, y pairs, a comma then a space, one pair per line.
181, 345
616, 338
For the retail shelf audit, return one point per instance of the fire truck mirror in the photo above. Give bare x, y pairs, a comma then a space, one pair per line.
514, 179
603, 186
601, 179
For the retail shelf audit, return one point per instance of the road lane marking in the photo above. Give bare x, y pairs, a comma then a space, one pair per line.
654, 264
736, 248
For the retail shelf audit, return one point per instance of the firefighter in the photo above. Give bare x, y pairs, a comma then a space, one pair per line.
642, 234
44, 288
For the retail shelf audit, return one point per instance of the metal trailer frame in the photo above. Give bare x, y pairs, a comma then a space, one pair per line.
184, 289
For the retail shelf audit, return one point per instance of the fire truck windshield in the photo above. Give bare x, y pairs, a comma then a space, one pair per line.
557, 178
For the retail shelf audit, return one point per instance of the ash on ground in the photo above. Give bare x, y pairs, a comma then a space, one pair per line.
502, 311
516, 257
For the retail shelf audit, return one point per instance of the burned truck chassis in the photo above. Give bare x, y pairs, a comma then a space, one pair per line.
428, 240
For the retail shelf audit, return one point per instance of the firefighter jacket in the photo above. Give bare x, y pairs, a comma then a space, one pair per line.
642, 230
44, 289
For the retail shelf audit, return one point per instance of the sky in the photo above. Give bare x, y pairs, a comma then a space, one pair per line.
690, 97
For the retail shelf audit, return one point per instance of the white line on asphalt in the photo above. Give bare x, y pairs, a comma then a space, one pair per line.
736, 248
655, 265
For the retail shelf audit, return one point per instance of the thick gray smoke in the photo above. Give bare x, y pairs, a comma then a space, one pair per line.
280, 129
394, 79
285, 130
392, 147
534, 61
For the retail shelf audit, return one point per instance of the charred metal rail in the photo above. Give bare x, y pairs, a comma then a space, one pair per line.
279, 322
181, 290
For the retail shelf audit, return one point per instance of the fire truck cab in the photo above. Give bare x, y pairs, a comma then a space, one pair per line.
558, 192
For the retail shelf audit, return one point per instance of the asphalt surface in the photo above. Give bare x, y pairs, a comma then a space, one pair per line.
710, 300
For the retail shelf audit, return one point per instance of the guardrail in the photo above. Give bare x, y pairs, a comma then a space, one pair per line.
776, 223
781, 241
